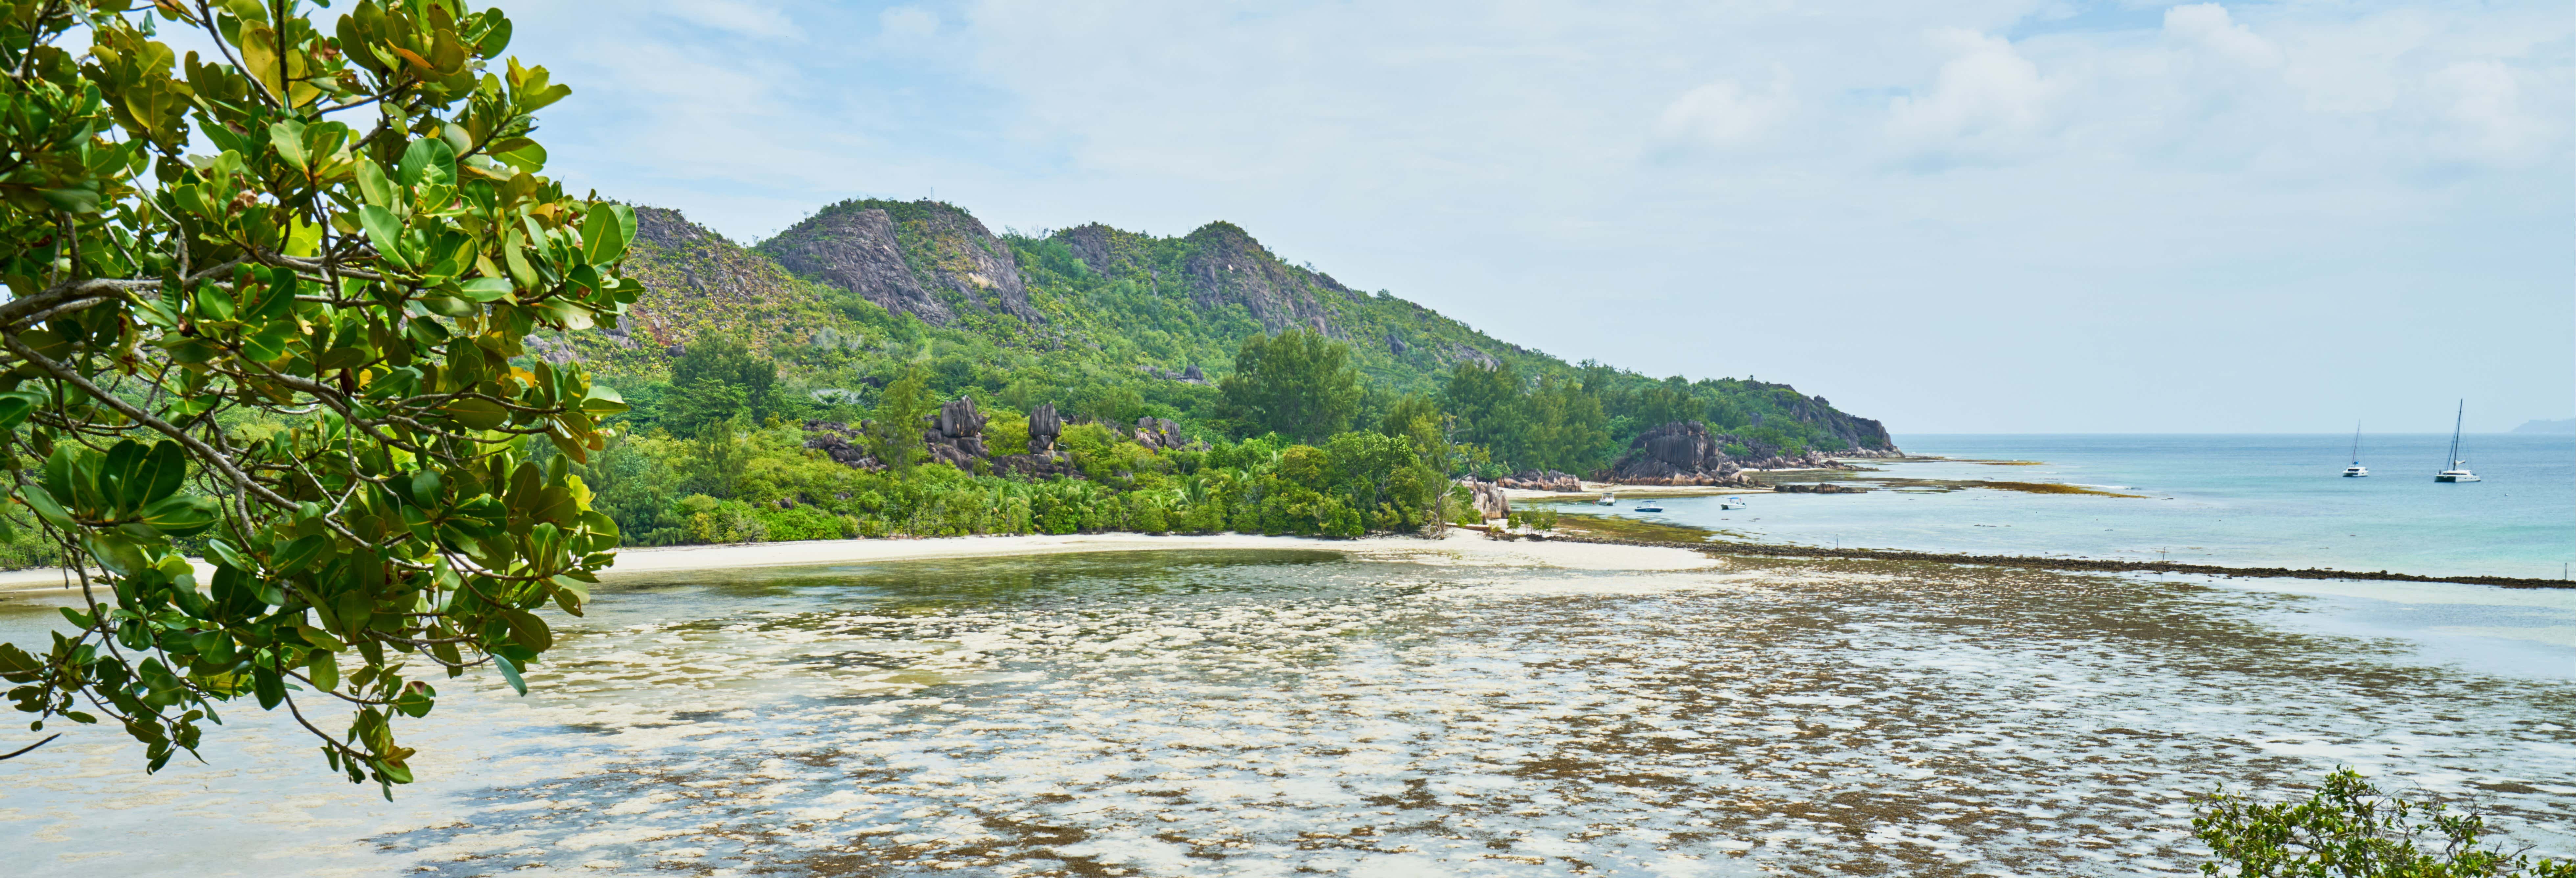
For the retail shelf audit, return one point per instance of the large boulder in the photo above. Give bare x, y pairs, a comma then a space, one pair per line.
1678, 453
1487, 497
1044, 427
840, 442
1160, 434
956, 434
1537, 480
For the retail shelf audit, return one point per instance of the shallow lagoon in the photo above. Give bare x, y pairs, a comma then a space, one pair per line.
1400, 711
2245, 501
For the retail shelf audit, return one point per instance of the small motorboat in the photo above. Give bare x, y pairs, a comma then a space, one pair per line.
1647, 506
1731, 503
1607, 499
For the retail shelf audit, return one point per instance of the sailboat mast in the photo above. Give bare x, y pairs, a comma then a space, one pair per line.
2356, 443
2456, 421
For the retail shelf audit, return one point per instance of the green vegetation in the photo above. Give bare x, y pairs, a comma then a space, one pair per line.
764, 485
2350, 829
1299, 385
298, 356
1615, 527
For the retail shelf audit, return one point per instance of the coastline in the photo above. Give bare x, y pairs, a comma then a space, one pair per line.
1464, 545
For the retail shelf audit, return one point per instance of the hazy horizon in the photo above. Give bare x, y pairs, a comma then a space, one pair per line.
1978, 218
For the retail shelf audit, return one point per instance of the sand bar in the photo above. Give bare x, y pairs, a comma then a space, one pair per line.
1460, 546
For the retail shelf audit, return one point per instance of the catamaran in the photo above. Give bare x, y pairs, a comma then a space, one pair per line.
2459, 471
2356, 470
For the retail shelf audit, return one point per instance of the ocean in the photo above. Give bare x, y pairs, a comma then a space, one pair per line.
2239, 500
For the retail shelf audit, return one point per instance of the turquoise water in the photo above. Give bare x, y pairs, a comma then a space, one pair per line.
2263, 500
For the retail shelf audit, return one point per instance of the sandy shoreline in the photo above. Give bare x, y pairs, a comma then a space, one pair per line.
1464, 546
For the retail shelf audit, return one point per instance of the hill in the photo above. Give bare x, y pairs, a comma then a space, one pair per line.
1103, 323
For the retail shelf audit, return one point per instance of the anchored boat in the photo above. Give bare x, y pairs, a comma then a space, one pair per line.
2356, 470
2459, 471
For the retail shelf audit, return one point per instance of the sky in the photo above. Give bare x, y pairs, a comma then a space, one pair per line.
1968, 216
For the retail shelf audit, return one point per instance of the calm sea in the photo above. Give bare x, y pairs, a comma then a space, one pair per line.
2246, 500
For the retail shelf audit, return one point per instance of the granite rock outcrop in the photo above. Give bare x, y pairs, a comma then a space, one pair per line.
1538, 480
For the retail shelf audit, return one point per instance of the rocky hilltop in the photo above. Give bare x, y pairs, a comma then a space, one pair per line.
922, 258
875, 278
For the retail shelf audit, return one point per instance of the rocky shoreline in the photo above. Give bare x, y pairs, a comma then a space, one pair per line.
1688, 453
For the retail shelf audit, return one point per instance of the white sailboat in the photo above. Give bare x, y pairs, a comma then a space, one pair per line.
2356, 470
2459, 471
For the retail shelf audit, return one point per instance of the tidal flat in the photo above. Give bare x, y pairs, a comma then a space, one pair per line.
1388, 707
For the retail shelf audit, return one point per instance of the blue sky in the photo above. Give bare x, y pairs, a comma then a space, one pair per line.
1982, 216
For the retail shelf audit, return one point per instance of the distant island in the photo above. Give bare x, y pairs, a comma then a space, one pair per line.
2561, 426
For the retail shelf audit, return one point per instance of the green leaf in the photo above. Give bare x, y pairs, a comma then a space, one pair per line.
510, 672
385, 231
77, 618
529, 631
480, 414
15, 662
486, 289
323, 667
296, 555
602, 400
213, 303
78, 199
47, 509
426, 486
121, 480
162, 472
114, 552
604, 234
287, 138
428, 162
269, 685
521, 153
16, 405
224, 554
447, 306
571, 593
181, 515
373, 186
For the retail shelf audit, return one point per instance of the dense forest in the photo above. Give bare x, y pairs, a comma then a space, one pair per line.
792, 389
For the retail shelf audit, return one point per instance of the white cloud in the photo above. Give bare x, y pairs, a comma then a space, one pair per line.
2484, 103
1986, 98
2207, 25
1722, 114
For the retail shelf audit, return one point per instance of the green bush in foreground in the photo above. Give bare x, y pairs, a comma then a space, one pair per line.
2350, 829
290, 353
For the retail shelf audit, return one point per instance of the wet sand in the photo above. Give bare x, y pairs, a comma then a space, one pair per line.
1077, 707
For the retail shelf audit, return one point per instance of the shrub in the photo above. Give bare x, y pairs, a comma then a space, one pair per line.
800, 523
710, 520
2350, 829
1007, 434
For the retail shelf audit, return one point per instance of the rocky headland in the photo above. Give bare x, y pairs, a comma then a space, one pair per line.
1689, 453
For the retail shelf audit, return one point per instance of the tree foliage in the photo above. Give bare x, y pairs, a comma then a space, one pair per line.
719, 377
1298, 384
894, 435
295, 353
2350, 829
